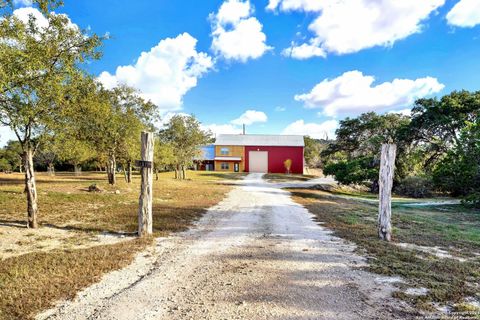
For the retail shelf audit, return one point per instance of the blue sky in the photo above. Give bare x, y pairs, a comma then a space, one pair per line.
287, 66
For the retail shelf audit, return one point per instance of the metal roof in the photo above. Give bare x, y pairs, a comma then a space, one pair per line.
260, 140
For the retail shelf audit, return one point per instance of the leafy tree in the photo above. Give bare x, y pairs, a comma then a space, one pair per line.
438, 123
354, 157
112, 121
313, 150
36, 64
4, 163
12, 152
164, 157
447, 131
184, 135
46, 155
73, 151
459, 171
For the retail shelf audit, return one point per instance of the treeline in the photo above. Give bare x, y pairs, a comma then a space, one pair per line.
438, 148
61, 114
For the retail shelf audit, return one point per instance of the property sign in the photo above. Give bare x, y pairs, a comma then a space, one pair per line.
143, 164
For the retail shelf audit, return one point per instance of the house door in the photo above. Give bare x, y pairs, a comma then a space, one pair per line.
236, 166
258, 161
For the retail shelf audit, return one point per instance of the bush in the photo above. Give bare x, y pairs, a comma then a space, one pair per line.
415, 187
5, 165
473, 199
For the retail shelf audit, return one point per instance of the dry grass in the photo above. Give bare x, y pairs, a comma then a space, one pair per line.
64, 203
452, 228
32, 281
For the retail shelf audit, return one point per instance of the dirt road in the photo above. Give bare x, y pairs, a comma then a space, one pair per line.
256, 255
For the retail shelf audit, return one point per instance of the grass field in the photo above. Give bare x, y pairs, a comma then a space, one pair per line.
434, 247
39, 267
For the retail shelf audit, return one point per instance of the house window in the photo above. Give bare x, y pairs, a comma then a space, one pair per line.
224, 151
225, 166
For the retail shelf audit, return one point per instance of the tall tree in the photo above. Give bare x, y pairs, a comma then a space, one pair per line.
354, 157
448, 130
185, 135
313, 150
112, 121
164, 158
37, 61
12, 152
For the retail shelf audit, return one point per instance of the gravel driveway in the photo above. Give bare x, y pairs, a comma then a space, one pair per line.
256, 255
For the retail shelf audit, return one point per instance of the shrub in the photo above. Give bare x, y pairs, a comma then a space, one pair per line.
415, 187
5, 165
473, 199
288, 165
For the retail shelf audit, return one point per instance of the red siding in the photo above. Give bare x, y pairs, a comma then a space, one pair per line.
276, 157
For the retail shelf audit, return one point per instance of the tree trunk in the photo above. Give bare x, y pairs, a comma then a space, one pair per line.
387, 167
112, 170
77, 169
51, 169
177, 172
125, 174
30, 189
145, 220
21, 165
129, 172
184, 173
156, 174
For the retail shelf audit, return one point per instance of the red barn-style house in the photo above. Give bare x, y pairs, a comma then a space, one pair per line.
259, 153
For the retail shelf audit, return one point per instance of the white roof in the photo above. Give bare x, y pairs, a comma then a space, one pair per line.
259, 140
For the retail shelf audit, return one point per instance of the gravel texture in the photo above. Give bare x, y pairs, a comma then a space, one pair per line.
256, 255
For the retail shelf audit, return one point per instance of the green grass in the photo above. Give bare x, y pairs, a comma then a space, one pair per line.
453, 228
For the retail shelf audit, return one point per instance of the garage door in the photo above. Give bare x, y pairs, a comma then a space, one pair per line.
258, 161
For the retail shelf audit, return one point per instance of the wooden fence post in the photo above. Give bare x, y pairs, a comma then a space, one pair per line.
145, 220
387, 167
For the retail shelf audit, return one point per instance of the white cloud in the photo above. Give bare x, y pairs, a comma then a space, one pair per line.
236, 34
353, 92
249, 117
6, 134
235, 126
280, 109
165, 73
222, 129
343, 27
304, 51
22, 3
24, 14
322, 130
466, 13
404, 112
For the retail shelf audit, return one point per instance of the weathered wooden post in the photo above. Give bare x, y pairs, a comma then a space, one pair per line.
145, 220
387, 167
